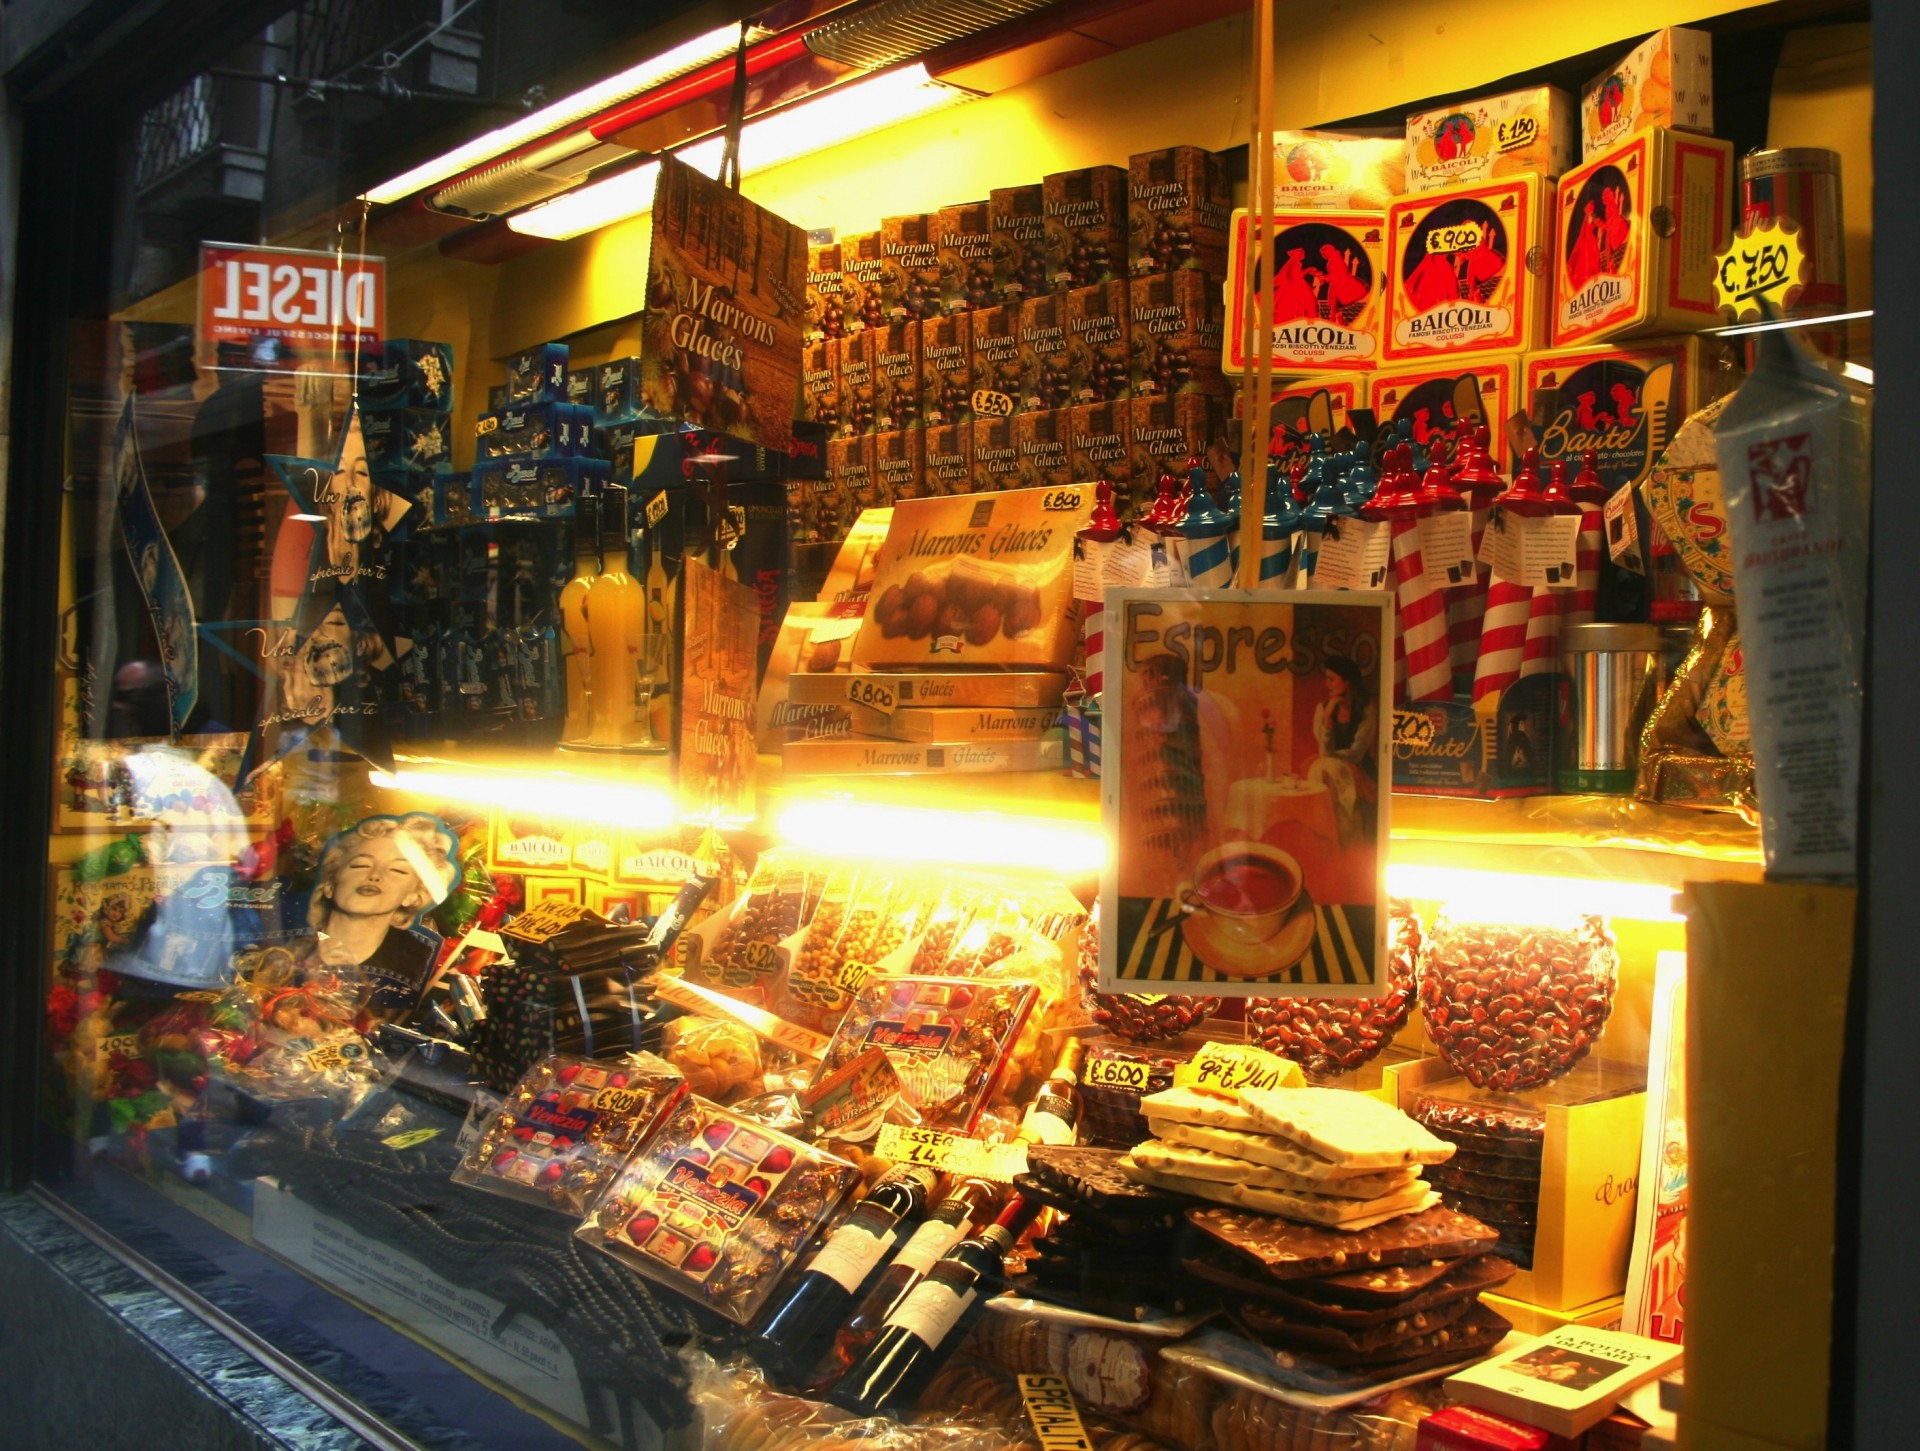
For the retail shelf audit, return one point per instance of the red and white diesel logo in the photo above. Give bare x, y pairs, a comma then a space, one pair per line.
1782, 468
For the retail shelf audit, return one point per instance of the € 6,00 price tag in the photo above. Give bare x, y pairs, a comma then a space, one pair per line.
1117, 1073
1765, 260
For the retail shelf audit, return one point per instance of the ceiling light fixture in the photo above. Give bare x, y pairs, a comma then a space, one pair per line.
839, 115
689, 55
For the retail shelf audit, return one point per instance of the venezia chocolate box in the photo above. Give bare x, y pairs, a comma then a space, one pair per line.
1328, 288
1016, 216
963, 246
946, 369
1086, 226
1467, 270
1637, 231
1174, 335
1177, 204
1099, 362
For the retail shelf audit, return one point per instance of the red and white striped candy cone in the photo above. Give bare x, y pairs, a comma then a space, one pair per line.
1503, 637
1586, 567
1423, 616
1540, 651
1467, 609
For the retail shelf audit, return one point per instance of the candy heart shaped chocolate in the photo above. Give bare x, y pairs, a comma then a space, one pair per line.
700, 1259
717, 1134
504, 1158
1329, 1036
523, 1132
758, 1186
642, 1225
779, 1159
1513, 1008
699, 1156
552, 1172
568, 1072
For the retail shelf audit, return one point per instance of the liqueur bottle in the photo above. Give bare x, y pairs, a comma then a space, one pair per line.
927, 1326
801, 1330
966, 1205
573, 620
616, 619
1054, 1115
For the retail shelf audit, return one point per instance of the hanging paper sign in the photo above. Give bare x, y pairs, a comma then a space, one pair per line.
1765, 261
1535, 553
1353, 554
163, 586
291, 309
1446, 549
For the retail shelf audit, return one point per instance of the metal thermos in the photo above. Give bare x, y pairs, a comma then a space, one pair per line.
1616, 673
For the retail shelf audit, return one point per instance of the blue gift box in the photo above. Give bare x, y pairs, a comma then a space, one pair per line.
538, 375
407, 438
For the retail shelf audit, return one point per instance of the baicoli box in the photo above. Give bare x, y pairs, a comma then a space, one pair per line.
946, 369
1177, 204
1327, 279
1467, 271
1174, 335
1527, 130
985, 580
1666, 80
1338, 170
1635, 238
1450, 401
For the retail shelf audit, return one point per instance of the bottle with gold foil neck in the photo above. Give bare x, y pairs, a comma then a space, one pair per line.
616, 621
577, 647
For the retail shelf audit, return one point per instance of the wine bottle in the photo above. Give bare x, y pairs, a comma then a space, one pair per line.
926, 1327
1054, 1115
801, 1330
968, 1203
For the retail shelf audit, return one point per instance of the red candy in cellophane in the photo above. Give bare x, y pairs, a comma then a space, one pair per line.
1329, 1036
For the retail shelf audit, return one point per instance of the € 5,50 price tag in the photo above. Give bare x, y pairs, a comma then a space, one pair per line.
1764, 261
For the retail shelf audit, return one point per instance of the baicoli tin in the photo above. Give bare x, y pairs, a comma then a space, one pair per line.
1325, 269
1466, 271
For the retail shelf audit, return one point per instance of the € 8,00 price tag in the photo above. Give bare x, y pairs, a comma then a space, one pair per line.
1764, 261
874, 694
1060, 501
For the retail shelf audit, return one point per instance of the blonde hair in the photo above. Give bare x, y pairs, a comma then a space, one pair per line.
422, 838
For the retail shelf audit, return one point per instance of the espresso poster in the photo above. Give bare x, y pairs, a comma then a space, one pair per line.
718, 709
726, 311
1244, 792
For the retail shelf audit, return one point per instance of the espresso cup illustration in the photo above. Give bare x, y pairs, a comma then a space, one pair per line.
1247, 888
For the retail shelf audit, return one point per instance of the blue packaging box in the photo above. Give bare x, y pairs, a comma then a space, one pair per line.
617, 396
407, 438
1502, 746
538, 375
455, 499
530, 430
536, 488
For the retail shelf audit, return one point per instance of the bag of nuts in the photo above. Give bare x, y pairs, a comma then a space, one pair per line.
862, 916
1332, 1036
1513, 1007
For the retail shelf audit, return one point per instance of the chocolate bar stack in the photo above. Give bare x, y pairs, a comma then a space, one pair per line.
1075, 1261
1494, 1173
1338, 1309
1317, 1155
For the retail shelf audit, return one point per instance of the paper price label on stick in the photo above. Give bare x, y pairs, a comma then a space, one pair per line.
1764, 262
1226, 1068
1353, 554
951, 1153
656, 509
1622, 524
1533, 553
1446, 549
1117, 1073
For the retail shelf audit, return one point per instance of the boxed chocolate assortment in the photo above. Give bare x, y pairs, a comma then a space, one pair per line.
820, 385
1177, 204
994, 341
1329, 285
1097, 445
1666, 80
1637, 233
1016, 216
851, 359
826, 293
893, 350
963, 246
909, 246
1623, 403
1467, 270
1534, 130
986, 580
1086, 226
1041, 440
1175, 335
898, 462
1045, 377
539, 375
850, 470
947, 458
871, 291
996, 456
859, 755
946, 369
1099, 358
1163, 433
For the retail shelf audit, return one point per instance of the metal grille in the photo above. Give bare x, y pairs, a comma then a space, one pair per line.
181, 128
901, 29
331, 37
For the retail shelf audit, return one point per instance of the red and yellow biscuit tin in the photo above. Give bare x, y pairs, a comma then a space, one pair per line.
1467, 271
1325, 269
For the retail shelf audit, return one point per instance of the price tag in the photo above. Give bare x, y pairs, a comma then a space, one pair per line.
759, 956
874, 694
327, 1059
1353, 554
548, 920
1060, 501
1533, 553
485, 426
989, 404
616, 1100
120, 1045
656, 508
687, 952
855, 975
951, 1153
1053, 1413
1764, 260
1226, 1068
1117, 1073
411, 1139
1446, 549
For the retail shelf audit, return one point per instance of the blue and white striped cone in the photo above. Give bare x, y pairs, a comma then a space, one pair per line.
1276, 560
1209, 533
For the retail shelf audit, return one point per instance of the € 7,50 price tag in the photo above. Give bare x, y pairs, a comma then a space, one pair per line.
1764, 261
